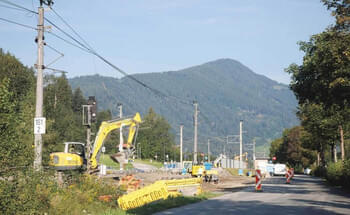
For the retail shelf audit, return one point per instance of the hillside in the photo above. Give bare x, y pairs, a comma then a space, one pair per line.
226, 90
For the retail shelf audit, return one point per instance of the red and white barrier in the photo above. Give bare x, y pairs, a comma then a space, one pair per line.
258, 179
288, 176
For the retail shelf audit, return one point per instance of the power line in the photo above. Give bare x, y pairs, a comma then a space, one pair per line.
68, 42
87, 48
18, 6
17, 23
13, 8
69, 26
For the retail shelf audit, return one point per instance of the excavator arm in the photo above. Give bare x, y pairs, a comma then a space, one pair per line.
106, 128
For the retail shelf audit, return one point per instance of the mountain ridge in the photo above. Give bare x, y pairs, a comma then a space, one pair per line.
227, 91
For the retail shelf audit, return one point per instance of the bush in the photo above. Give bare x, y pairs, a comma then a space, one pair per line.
335, 173
319, 171
346, 174
299, 169
81, 196
26, 193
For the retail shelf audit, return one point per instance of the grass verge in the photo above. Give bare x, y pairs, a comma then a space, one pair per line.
153, 163
106, 160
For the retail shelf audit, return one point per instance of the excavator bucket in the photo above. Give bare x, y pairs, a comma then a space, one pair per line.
118, 157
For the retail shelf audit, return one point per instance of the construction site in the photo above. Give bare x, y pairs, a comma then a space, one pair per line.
144, 182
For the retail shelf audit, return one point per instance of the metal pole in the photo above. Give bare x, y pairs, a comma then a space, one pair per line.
240, 143
181, 143
254, 158
88, 145
121, 139
38, 141
208, 150
195, 132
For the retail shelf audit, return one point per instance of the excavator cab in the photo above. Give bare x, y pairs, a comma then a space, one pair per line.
72, 158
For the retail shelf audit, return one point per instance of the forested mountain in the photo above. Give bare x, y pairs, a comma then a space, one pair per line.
226, 91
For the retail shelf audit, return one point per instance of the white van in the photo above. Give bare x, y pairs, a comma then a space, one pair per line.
279, 169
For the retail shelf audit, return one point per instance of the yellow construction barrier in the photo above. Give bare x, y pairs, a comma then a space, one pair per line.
156, 191
143, 196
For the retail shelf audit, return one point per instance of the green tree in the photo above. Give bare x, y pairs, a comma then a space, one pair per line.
16, 115
155, 137
324, 80
78, 101
63, 123
290, 148
341, 11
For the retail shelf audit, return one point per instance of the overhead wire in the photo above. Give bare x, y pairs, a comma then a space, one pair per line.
18, 6
92, 51
8, 7
84, 46
71, 28
17, 23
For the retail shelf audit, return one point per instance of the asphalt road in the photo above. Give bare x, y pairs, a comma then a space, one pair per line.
305, 195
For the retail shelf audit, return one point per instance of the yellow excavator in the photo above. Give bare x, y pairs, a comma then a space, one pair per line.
72, 158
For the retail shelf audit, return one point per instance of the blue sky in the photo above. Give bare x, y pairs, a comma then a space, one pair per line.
144, 36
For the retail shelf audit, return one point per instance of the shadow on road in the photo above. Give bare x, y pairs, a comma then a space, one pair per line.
335, 204
226, 207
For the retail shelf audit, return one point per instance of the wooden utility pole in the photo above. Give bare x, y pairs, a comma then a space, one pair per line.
240, 143
208, 150
39, 120
254, 158
121, 138
195, 132
181, 144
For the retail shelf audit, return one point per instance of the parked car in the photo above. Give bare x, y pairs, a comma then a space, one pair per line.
279, 169
307, 171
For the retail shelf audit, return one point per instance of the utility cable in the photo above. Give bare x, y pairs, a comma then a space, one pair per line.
74, 31
91, 50
17, 23
18, 6
13, 8
87, 48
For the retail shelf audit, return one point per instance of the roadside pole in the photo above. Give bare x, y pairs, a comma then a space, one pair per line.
181, 144
240, 143
39, 120
209, 150
195, 132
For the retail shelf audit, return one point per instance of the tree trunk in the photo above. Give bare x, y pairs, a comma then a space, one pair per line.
335, 153
341, 131
318, 158
322, 160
